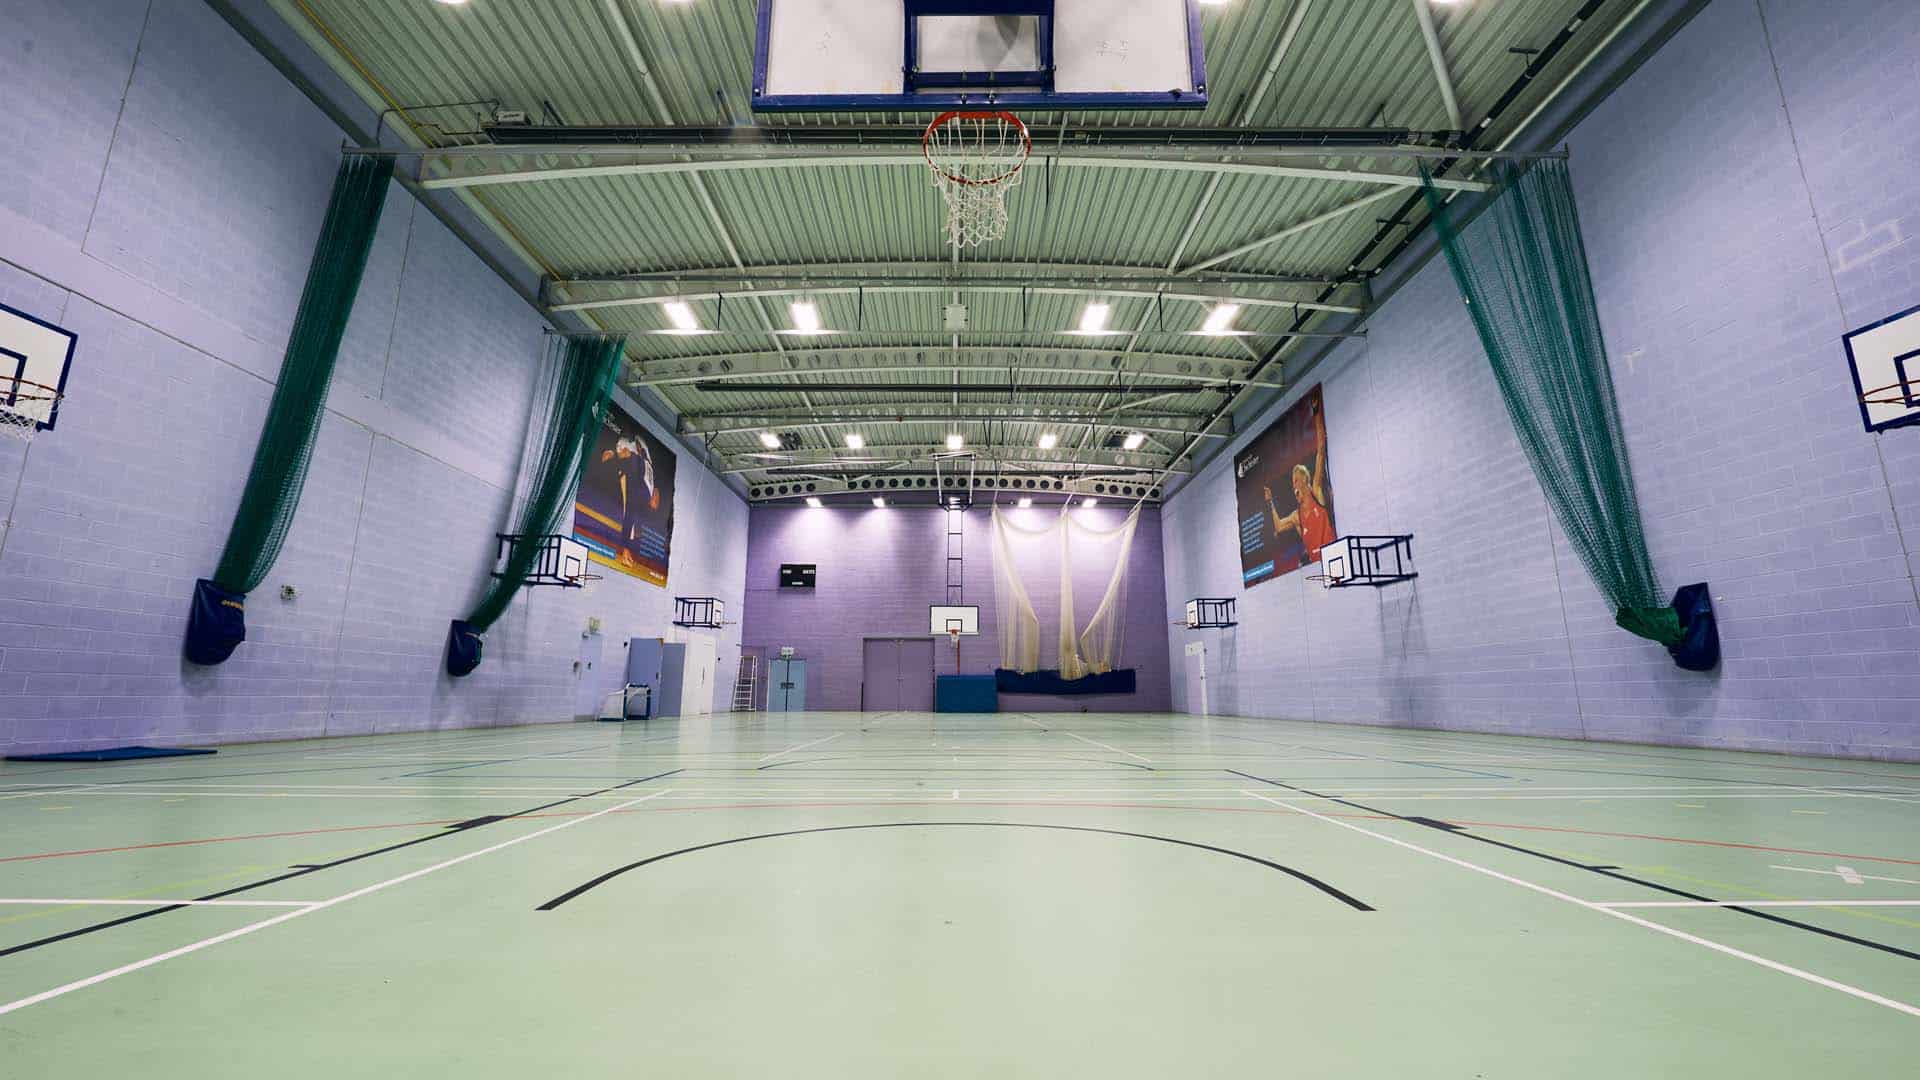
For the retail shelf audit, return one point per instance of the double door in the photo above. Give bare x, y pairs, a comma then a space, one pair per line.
897, 674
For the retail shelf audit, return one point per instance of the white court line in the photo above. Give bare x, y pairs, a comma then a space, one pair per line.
802, 746
51, 791
1104, 746
1835, 872
63, 901
1757, 903
125, 969
1785, 969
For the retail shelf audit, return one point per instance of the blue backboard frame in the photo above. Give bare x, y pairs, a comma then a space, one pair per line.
985, 98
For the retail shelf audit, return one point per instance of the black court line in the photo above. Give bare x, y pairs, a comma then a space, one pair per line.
1603, 871
303, 869
1337, 894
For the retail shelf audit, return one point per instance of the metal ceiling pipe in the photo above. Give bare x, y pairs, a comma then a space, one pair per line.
969, 389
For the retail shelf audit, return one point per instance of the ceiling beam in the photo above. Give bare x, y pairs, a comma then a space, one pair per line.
1013, 390
922, 455
466, 167
890, 359
1423, 12
1205, 294
751, 423
942, 272
1293, 229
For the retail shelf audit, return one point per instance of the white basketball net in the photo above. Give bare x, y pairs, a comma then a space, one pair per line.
976, 158
24, 406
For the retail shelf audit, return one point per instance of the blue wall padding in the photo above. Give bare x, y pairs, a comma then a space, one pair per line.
118, 753
966, 693
1050, 682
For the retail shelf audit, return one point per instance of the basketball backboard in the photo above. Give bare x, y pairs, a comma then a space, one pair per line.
1885, 357
34, 358
942, 54
947, 618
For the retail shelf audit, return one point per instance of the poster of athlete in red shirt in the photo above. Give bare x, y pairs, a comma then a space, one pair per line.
1285, 494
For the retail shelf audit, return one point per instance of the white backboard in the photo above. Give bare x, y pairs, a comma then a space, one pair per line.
36, 351
1886, 370
947, 617
852, 54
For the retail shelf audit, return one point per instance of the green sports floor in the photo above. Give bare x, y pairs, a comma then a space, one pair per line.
910, 895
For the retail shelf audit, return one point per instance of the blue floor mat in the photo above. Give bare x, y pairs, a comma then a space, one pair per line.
118, 753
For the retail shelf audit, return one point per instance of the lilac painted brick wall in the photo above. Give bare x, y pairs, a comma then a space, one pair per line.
880, 569
1738, 223
181, 278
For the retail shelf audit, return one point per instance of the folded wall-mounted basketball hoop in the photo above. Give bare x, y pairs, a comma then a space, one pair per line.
216, 623
1699, 646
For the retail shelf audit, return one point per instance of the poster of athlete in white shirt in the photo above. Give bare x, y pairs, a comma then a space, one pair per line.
624, 510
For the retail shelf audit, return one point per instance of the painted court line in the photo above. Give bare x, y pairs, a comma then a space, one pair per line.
802, 746
65, 901
1775, 965
1104, 746
137, 965
1757, 903
1846, 874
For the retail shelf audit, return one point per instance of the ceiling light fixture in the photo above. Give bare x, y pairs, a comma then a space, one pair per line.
814, 501
1026, 501
1089, 502
1093, 318
956, 441
769, 440
681, 316
1135, 440
806, 317
1049, 440
856, 441
1220, 319
880, 502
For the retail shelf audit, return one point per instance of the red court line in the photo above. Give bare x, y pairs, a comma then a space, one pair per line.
1687, 840
224, 839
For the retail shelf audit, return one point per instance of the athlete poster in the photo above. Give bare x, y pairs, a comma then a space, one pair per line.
623, 512
1285, 493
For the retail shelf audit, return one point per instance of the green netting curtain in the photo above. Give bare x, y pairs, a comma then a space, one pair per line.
576, 382
1522, 271
280, 459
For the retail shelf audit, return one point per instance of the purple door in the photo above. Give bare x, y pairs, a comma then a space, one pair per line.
880, 679
916, 675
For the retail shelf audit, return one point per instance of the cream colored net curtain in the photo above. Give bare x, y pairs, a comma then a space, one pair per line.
1076, 653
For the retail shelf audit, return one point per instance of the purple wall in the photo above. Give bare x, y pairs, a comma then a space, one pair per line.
880, 569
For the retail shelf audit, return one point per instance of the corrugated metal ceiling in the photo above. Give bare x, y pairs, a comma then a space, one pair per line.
580, 61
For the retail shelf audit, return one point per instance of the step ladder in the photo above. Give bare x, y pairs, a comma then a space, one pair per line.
746, 684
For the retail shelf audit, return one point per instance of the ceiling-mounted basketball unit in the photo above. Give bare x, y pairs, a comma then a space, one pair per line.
814, 55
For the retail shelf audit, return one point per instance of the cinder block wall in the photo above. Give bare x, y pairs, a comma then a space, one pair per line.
880, 570
164, 189
1748, 196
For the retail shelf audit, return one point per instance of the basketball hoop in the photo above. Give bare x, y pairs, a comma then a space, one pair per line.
976, 158
1901, 394
1325, 581
24, 406
954, 636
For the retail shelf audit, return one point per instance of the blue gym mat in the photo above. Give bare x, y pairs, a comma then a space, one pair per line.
118, 753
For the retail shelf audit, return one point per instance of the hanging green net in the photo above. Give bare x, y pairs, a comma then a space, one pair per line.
272, 494
1522, 270
576, 381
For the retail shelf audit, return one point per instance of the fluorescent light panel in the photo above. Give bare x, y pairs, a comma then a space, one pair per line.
1220, 319
806, 317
